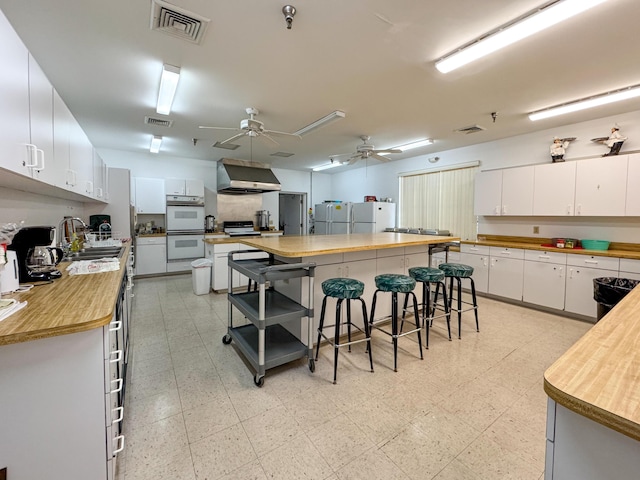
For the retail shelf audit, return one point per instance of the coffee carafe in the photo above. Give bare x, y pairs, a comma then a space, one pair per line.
36, 264
263, 219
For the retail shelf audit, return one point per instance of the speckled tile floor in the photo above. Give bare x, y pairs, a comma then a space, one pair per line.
472, 409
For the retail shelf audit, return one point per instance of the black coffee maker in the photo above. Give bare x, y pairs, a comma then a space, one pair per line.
25, 242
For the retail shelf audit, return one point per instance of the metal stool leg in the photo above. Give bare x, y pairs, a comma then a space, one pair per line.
394, 328
367, 331
475, 302
336, 345
349, 322
321, 325
415, 309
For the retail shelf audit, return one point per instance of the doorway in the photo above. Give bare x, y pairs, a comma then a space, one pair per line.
291, 213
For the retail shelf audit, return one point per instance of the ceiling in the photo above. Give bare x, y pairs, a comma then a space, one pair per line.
372, 59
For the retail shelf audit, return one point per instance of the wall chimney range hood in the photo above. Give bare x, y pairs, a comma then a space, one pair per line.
239, 177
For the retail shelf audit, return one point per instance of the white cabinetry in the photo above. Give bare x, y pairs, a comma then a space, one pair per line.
600, 186
630, 268
477, 256
99, 177
544, 278
179, 186
14, 98
151, 255
581, 270
554, 189
150, 197
504, 192
41, 123
219, 254
506, 272
633, 192
80, 171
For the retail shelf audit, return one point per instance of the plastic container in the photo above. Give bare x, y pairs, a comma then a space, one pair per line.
201, 276
595, 244
608, 291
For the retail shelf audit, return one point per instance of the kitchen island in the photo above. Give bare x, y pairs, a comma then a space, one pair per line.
593, 413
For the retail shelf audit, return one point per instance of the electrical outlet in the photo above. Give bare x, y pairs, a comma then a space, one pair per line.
536, 229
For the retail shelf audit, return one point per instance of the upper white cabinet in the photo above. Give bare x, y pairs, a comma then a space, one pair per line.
149, 195
600, 186
99, 177
41, 123
633, 181
179, 186
14, 98
504, 192
554, 188
79, 177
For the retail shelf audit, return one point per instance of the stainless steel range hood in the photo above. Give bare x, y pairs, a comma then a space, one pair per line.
242, 176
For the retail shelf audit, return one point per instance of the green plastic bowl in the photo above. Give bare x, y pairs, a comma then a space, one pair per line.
595, 244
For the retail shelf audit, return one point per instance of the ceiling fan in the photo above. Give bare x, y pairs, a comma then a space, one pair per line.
364, 151
252, 128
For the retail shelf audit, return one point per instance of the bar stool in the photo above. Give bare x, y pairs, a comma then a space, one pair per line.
343, 289
395, 283
458, 271
427, 276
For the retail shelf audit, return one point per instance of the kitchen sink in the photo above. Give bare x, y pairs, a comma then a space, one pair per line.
95, 253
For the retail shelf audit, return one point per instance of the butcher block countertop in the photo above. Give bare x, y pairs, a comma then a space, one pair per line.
69, 304
309, 245
618, 250
599, 376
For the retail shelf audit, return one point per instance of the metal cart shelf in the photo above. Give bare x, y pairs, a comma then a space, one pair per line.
265, 343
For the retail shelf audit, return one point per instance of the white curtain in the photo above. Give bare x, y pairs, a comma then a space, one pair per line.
441, 199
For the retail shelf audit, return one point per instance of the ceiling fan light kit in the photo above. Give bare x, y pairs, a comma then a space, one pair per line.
589, 102
167, 91
337, 115
533, 22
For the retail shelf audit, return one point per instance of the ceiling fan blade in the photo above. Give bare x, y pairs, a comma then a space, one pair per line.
264, 135
219, 128
275, 132
379, 157
231, 139
341, 155
388, 150
353, 159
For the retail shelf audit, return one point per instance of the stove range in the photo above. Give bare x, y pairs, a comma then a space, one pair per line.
239, 228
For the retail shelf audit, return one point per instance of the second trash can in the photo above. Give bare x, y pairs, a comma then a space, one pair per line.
201, 276
608, 291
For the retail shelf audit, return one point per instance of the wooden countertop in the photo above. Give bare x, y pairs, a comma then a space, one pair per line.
626, 250
69, 304
309, 245
599, 376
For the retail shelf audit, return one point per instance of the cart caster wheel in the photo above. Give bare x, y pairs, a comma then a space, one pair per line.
259, 381
312, 365
226, 339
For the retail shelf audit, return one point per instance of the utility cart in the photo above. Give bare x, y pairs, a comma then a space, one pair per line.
265, 342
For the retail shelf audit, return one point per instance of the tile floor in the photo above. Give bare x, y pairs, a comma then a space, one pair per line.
472, 409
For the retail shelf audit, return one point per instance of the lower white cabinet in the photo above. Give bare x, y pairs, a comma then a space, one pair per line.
477, 256
219, 255
151, 255
506, 272
630, 268
581, 270
544, 278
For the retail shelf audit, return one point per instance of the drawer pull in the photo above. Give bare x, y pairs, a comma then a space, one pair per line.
117, 325
119, 383
118, 356
120, 411
119, 441
591, 262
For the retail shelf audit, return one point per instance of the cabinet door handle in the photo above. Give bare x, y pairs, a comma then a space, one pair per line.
569, 209
484, 261
504, 210
570, 273
561, 271
119, 440
496, 210
117, 325
493, 262
591, 262
120, 412
118, 356
579, 209
118, 388
33, 161
39, 165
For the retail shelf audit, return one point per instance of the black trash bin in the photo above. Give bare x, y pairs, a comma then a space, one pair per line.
608, 291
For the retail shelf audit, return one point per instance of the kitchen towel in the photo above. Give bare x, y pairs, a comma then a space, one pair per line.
9, 307
84, 267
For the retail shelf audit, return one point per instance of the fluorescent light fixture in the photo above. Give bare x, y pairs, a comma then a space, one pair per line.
417, 144
590, 102
168, 85
156, 141
532, 22
326, 167
320, 122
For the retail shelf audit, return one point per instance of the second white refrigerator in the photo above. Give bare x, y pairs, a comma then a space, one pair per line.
372, 217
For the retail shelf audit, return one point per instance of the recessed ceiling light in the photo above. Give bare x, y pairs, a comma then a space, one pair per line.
156, 142
168, 86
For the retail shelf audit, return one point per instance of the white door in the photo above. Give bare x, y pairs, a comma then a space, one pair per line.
185, 217
554, 189
180, 247
579, 289
488, 193
480, 264
544, 284
41, 114
517, 191
341, 212
600, 186
506, 276
633, 192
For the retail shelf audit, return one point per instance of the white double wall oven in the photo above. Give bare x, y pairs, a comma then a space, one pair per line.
185, 231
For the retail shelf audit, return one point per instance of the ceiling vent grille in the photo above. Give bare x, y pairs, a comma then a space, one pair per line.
226, 146
158, 121
282, 154
471, 129
178, 22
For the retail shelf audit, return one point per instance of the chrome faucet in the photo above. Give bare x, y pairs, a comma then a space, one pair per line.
63, 240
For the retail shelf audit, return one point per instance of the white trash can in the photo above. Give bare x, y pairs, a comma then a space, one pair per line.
201, 276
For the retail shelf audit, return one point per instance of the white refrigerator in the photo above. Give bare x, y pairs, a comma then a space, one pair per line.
332, 218
372, 217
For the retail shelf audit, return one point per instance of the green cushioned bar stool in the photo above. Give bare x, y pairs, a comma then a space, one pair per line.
457, 272
343, 289
427, 276
395, 284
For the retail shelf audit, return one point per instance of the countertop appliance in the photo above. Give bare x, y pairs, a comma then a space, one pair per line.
264, 218
239, 228
209, 224
24, 243
372, 217
332, 218
9, 274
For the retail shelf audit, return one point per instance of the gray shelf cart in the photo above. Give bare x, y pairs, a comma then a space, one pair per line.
264, 342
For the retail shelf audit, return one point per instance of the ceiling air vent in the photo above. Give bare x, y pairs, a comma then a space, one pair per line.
226, 146
158, 121
282, 154
178, 22
471, 129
